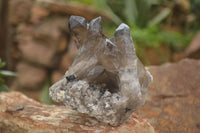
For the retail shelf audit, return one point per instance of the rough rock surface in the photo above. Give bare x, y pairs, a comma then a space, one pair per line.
106, 80
29, 76
173, 102
20, 114
19, 10
41, 44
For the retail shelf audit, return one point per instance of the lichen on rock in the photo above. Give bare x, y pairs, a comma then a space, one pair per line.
106, 80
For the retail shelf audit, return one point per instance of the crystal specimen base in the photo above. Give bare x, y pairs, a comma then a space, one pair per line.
106, 80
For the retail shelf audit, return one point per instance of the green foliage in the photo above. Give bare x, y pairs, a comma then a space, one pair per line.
159, 17
103, 6
137, 12
153, 37
3, 74
144, 18
195, 14
140, 13
44, 97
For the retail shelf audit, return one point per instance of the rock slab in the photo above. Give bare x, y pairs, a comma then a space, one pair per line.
20, 114
173, 104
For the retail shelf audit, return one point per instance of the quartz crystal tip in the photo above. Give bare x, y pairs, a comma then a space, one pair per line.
122, 29
76, 21
106, 80
96, 25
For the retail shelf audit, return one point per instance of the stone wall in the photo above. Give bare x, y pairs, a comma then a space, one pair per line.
40, 42
40, 39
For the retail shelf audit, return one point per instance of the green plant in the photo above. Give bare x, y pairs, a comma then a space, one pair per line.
194, 14
145, 19
144, 13
4, 74
44, 96
154, 37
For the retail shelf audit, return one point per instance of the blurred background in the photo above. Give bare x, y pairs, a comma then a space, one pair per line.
36, 47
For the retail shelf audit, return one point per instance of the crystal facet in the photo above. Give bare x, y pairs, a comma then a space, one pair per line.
106, 80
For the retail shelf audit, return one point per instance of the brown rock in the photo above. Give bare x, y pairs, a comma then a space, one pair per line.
34, 94
65, 62
38, 13
69, 56
19, 10
56, 76
62, 45
156, 56
19, 114
30, 77
33, 51
51, 30
173, 104
41, 46
193, 51
71, 9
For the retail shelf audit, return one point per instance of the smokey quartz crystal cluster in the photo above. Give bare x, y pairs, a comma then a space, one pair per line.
106, 80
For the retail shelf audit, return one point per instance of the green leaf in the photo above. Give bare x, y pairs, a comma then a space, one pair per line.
44, 96
158, 18
1, 81
2, 64
103, 6
131, 11
4, 87
7, 73
143, 7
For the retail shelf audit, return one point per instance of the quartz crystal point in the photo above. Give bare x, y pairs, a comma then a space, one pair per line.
106, 80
